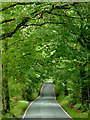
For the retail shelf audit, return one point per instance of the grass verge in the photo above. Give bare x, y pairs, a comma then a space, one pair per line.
19, 108
72, 112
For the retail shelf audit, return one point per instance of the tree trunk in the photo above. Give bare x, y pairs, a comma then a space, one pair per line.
84, 87
66, 91
5, 91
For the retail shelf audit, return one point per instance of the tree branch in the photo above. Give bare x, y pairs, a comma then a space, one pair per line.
5, 8
9, 20
26, 55
18, 3
44, 23
84, 42
23, 24
11, 33
66, 15
37, 3
15, 42
66, 6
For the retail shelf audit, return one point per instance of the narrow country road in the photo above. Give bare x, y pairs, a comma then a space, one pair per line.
45, 106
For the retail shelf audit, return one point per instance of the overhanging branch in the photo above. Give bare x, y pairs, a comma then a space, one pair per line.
37, 3
66, 15
8, 20
18, 3
44, 23
11, 33
23, 24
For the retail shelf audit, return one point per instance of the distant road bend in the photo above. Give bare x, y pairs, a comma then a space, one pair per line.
45, 106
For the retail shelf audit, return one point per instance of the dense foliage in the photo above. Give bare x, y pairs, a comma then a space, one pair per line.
45, 40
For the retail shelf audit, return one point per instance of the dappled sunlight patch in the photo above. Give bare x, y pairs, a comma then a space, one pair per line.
44, 42
22, 101
19, 108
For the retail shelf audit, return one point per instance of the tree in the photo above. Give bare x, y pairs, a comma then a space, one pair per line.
43, 40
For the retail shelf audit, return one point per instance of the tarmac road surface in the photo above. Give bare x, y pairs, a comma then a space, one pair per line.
45, 106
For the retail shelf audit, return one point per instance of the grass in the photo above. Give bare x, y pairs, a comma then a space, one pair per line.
19, 108
63, 102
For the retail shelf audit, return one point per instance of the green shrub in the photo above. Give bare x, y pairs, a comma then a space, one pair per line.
71, 99
78, 106
34, 94
20, 108
72, 102
84, 107
59, 89
8, 115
